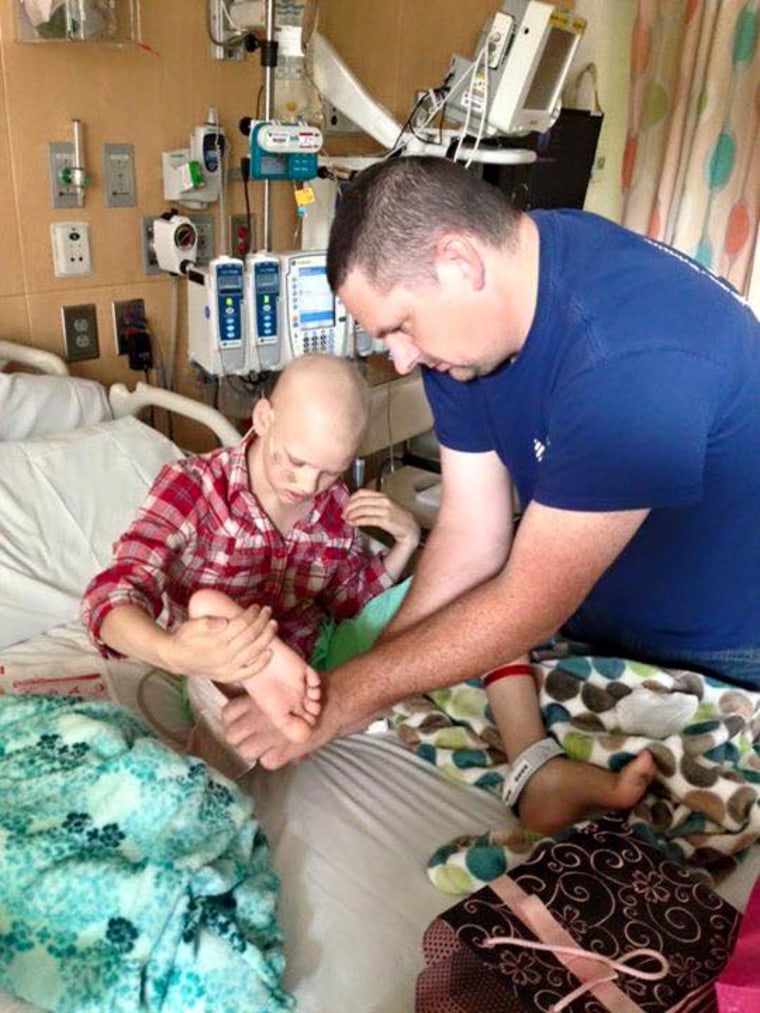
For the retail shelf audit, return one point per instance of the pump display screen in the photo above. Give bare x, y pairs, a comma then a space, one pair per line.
316, 305
229, 281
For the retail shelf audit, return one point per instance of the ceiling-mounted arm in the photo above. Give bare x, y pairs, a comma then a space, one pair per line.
340, 86
346, 92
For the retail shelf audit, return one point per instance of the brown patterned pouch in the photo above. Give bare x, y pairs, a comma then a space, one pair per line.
600, 921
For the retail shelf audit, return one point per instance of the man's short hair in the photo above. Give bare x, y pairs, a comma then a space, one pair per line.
387, 222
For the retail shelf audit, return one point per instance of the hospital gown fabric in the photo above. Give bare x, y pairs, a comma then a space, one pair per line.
131, 878
702, 808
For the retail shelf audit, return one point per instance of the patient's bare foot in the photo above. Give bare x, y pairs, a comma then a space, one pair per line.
565, 791
288, 691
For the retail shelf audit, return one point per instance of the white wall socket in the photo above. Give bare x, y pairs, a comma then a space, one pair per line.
71, 248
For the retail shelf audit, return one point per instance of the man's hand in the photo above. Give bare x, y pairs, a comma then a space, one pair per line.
254, 736
367, 508
223, 650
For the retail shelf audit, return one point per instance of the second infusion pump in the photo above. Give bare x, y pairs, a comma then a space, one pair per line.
282, 308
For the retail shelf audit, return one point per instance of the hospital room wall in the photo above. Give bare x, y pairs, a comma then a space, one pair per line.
153, 98
150, 99
411, 45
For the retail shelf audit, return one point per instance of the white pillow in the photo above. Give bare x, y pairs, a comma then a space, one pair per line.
64, 500
33, 405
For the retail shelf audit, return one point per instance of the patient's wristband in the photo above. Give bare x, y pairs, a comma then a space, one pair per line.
526, 765
504, 672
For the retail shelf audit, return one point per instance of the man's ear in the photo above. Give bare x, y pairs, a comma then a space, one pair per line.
262, 416
458, 254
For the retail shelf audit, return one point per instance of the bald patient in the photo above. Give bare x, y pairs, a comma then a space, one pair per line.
239, 557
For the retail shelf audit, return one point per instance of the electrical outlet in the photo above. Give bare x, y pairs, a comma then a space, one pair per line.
150, 261
204, 226
125, 313
119, 175
80, 332
242, 235
71, 248
60, 158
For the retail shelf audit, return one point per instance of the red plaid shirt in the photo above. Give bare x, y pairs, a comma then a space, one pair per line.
201, 526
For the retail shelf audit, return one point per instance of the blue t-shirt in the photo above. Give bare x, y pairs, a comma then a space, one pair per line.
638, 386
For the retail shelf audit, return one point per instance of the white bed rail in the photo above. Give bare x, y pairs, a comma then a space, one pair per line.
129, 402
36, 358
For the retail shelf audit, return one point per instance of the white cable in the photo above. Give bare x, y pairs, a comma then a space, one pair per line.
483, 112
482, 55
171, 353
222, 163
450, 92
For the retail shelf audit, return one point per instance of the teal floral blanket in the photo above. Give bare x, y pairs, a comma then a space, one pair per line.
703, 807
131, 878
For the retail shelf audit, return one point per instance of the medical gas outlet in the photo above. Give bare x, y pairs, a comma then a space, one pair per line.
71, 248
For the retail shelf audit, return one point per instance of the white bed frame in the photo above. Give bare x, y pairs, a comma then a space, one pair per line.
122, 400
33, 358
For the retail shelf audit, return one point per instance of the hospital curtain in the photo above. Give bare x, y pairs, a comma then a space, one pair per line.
691, 169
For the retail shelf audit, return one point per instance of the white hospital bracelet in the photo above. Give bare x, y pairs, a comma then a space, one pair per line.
526, 765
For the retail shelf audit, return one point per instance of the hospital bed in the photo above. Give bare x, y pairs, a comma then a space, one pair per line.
350, 828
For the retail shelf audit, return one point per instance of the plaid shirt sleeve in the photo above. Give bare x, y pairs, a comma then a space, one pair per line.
358, 577
137, 574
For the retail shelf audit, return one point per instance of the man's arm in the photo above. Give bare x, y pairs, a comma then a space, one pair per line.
557, 557
470, 540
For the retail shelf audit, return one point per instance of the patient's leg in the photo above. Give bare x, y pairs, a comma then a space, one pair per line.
562, 791
287, 690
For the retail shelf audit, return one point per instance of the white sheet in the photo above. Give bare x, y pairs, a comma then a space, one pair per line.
351, 829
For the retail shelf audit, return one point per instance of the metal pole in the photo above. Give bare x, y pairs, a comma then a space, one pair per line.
268, 109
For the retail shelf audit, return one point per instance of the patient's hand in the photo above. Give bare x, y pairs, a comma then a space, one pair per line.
224, 650
369, 509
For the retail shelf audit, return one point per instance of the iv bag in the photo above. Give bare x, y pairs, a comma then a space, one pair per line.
295, 97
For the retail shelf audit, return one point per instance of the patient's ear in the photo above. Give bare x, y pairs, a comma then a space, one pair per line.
262, 416
456, 256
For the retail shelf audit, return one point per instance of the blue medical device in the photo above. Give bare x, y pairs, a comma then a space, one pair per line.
284, 150
216, 333
263, 274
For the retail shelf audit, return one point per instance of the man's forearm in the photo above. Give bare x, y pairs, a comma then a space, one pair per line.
448, 567
425, 656
557, 558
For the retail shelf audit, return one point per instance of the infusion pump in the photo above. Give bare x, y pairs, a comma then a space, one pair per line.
258, 314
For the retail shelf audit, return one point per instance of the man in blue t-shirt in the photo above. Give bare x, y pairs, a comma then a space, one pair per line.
610, 383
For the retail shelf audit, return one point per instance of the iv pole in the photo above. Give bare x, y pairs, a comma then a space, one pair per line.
269, 62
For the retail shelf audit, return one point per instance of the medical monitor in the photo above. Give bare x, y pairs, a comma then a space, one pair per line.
513, 85
316, 320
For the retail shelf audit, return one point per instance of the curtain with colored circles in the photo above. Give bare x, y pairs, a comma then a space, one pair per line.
691, 169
